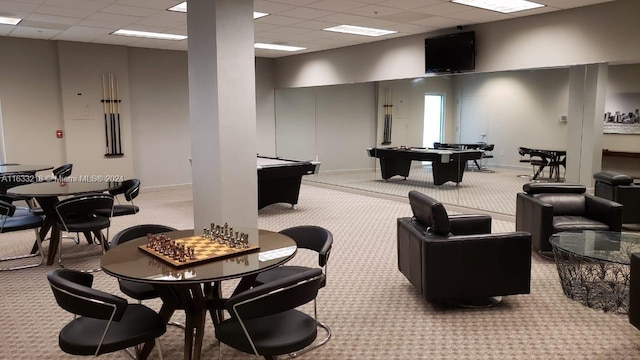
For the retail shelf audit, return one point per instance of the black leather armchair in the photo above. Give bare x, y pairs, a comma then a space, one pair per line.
547, 208
455, 258
621, 189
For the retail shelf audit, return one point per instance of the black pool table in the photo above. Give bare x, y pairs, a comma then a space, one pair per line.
279, 179
447, 165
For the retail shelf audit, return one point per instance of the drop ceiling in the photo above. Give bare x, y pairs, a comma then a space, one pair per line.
291, 22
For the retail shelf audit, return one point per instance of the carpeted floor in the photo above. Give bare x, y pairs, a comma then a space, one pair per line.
373, 310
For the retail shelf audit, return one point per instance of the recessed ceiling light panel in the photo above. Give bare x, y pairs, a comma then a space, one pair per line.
148, 35
182, 7
9, 21
359, 30
502, 6
277, 47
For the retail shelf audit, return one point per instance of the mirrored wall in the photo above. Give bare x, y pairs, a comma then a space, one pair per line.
527, 108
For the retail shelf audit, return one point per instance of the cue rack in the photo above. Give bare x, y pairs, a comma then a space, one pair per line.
388, 116
111, 106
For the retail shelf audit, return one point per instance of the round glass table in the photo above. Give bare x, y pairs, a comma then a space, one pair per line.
196, 288
594, 267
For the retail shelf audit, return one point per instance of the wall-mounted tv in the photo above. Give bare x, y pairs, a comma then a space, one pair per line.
450, 53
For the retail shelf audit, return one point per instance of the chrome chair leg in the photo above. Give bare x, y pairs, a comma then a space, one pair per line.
38, 253
326, 328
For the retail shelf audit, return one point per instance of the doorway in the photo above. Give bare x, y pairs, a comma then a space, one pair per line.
433, 119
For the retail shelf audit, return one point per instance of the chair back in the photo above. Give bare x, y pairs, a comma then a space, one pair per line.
276, 296
314, 238
138, 231
63, 171
130, 188
430, 212
73, 292
6, 210
82, 206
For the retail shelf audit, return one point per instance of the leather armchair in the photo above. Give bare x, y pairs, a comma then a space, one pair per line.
621, 189
547, 208
455, 258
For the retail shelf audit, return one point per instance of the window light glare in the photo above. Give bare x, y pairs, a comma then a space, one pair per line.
359, 30
277, 47
182, 7
149, 35
503, 6
9, 21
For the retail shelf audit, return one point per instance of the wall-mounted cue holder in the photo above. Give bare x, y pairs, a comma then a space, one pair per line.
111, 106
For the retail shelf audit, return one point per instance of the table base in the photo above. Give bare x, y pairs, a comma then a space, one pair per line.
597, 284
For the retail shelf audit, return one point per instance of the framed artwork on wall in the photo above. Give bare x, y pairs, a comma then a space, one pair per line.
622, 114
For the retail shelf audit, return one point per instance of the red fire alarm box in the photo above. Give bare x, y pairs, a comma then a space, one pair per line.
59, 134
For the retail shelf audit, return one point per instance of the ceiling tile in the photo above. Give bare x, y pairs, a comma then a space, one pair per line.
306, 13
81, 33
271, 7
149, 4
442, 9
129, 10
373, 11
413, 29
67, 12
438, 22
316, 25
34, 33
279, 20
295, 2
114, 19
6, 29
336, 5
409, 4
93, 5
343, 18
52, 19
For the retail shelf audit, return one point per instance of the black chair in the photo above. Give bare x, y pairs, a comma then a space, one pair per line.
103, 323
136, 290
313, 238
62, 171
264, 320
77, 214
456, 259
547, 208
621, 189
10, 221
130, 188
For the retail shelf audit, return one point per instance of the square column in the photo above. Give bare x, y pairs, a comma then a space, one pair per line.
222, 110
587, 94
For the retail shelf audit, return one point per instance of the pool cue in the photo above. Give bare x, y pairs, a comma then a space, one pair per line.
112, 115
117, 99
105, 108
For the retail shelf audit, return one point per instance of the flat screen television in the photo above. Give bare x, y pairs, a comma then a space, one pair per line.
450, 53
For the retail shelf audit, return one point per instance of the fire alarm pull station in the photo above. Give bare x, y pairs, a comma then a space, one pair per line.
59, 134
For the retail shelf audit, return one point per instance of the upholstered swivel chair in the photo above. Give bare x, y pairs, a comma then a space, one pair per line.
547, 208
621, 189
314, 238
130, 188
264, 320
456, 258
103, 322
77, 214
10, 221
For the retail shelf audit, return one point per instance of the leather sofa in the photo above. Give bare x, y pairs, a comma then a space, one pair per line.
547, 208
621, 189
455, 258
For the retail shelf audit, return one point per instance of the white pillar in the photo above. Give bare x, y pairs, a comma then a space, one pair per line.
587, 93
222, 112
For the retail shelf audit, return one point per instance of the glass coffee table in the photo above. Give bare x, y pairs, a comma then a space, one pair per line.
594, 267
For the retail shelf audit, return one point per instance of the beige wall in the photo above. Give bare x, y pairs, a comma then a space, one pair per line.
31, 102
605, 32
81, 69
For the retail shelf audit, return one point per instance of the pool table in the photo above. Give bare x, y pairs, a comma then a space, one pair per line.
279, 179
447, 165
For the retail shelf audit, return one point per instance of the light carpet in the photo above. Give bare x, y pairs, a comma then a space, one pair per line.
373, 310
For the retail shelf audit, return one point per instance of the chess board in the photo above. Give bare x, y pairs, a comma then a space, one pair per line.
205, 250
